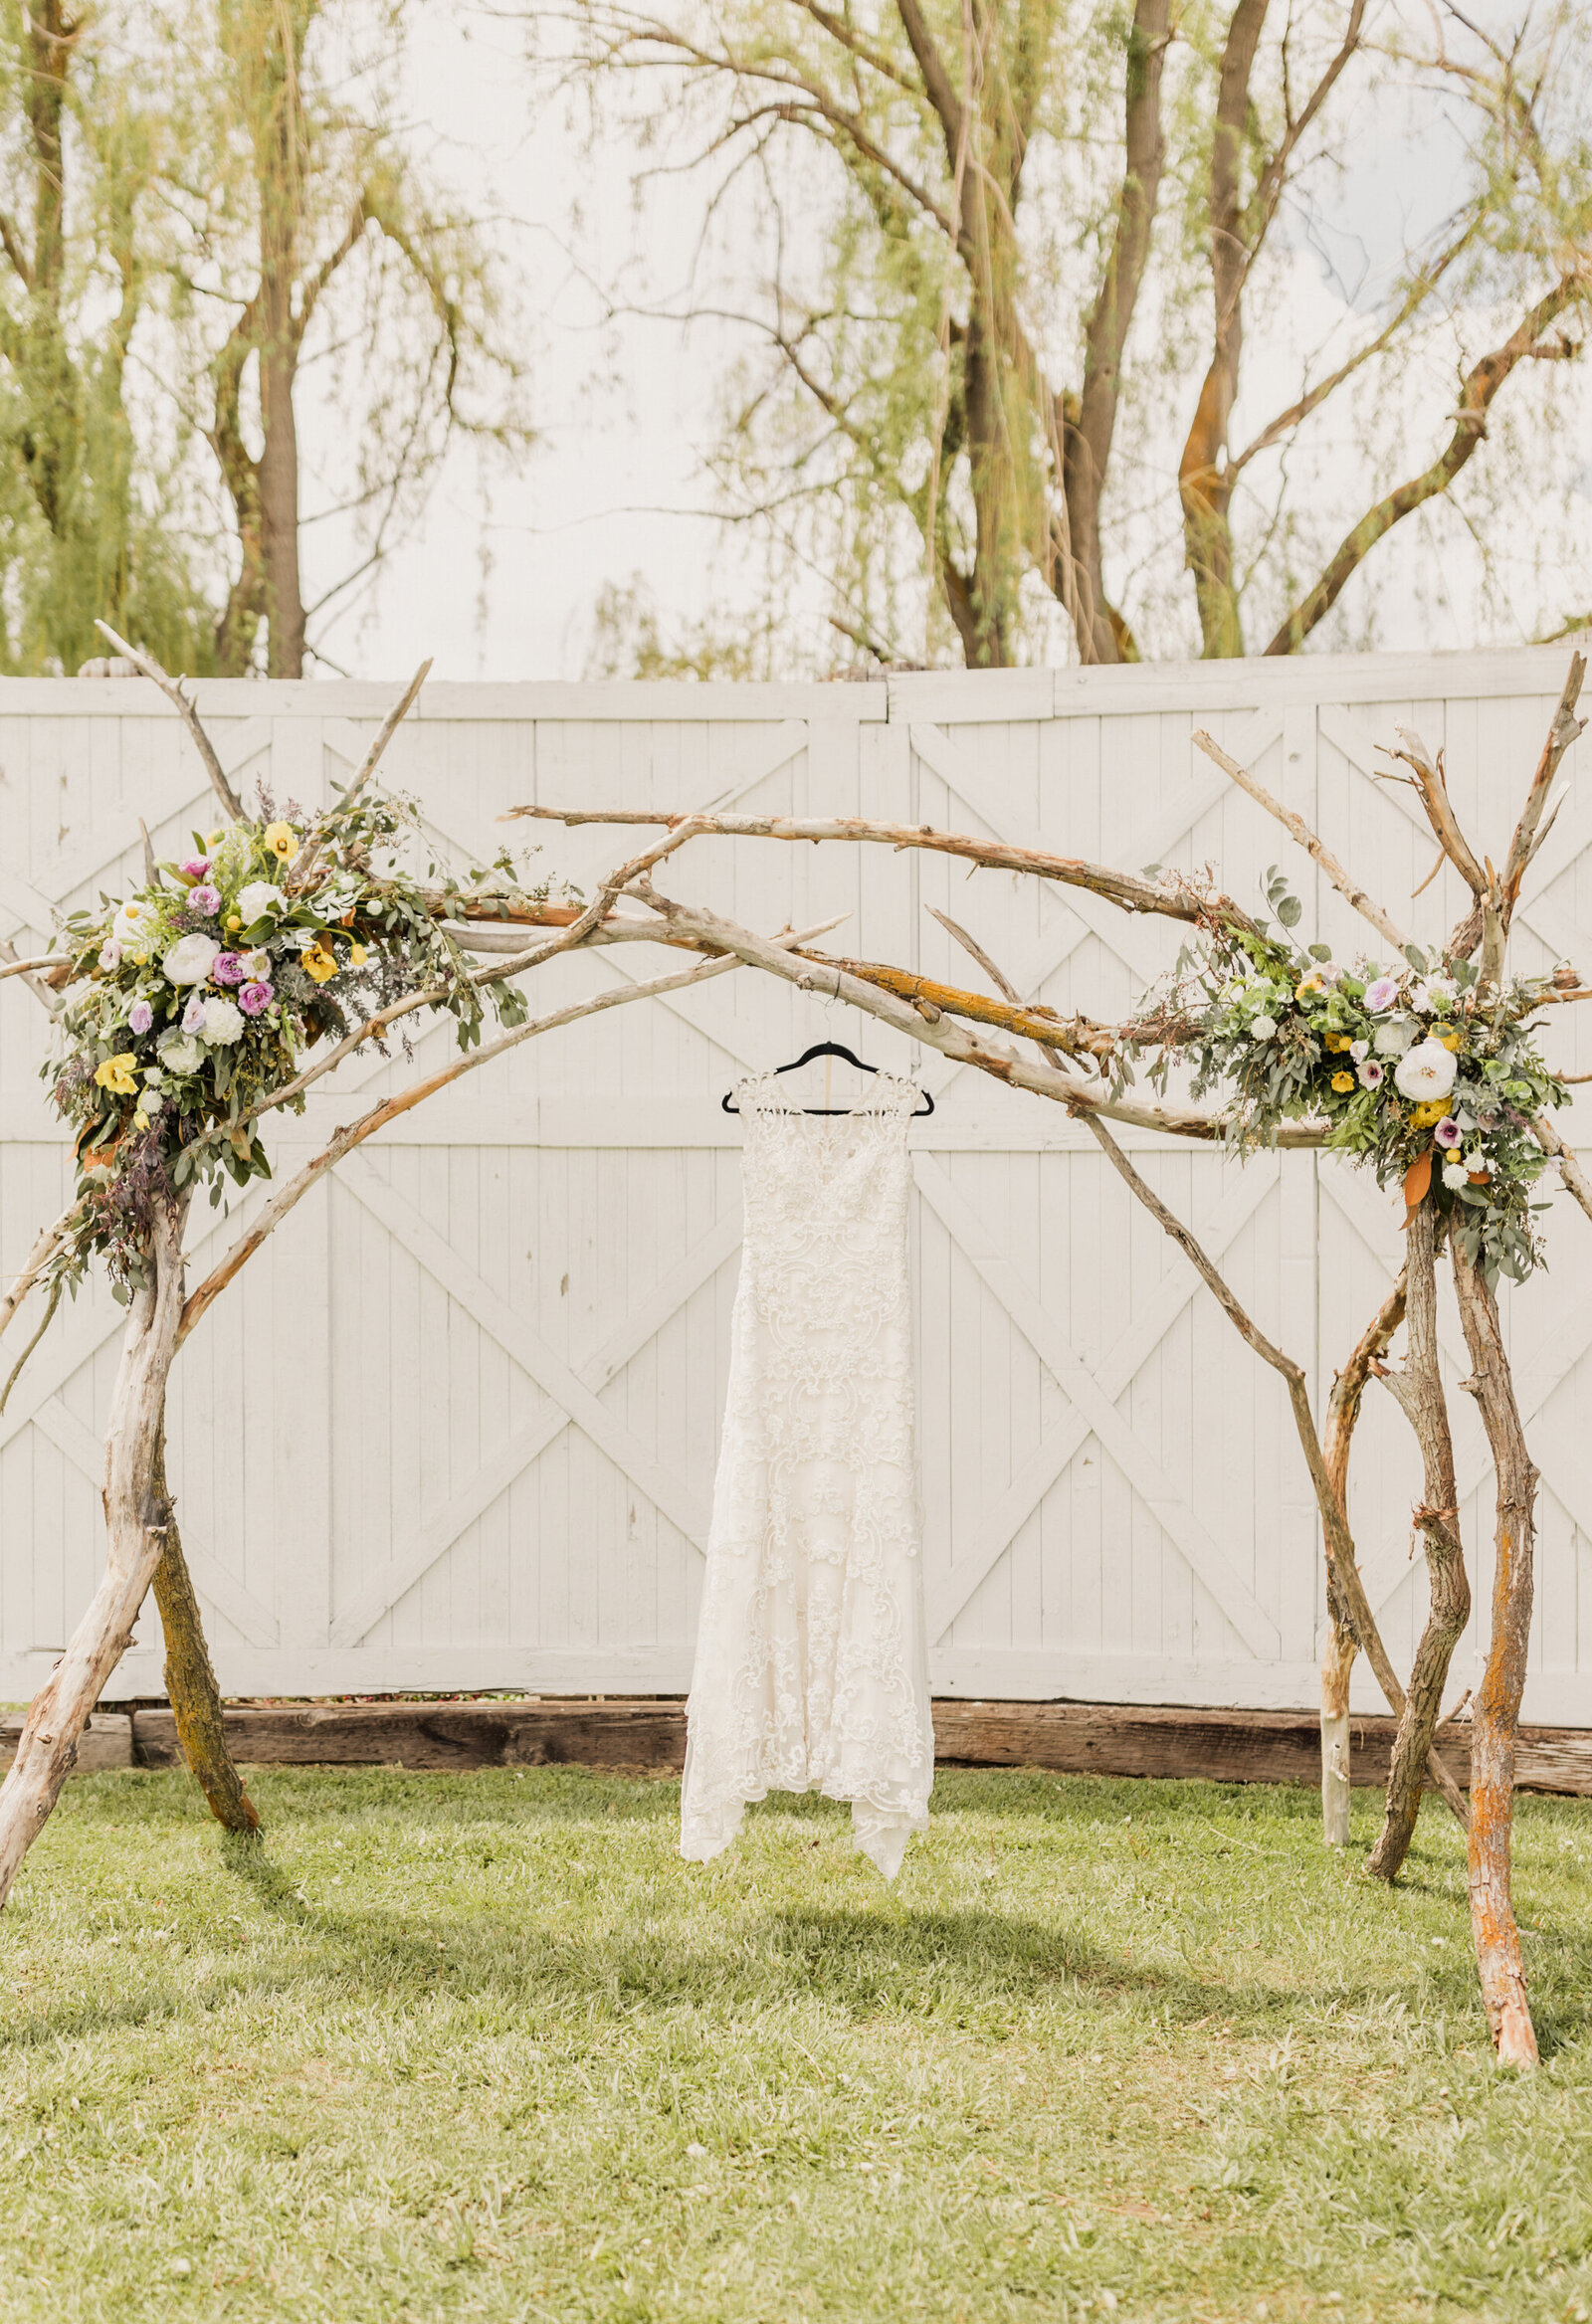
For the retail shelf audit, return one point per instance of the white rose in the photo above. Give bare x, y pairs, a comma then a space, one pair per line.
223, 1021
1393, 1037
1359, 1051
188, 961
1428, 1071
1263, 1029
180, 1053
258, 898
1454, 1176
132, 924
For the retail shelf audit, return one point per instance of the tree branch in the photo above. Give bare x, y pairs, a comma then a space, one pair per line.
171, 687
1482, 384
1298, 829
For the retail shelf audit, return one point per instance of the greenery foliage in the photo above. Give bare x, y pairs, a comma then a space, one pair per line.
205, 990
1415, 1068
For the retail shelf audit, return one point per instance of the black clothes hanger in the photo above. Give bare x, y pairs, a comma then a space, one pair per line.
830, 1048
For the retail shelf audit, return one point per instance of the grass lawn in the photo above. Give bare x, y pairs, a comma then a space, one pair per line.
482, 2047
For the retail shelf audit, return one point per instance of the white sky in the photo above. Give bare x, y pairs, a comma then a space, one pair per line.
625, 409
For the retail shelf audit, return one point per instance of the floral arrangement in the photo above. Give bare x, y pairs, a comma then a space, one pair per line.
204, 991
1413, 1067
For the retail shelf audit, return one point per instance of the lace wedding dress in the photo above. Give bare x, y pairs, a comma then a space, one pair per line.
810, 1670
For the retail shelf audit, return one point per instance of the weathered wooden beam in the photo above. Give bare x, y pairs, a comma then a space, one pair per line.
647, 1734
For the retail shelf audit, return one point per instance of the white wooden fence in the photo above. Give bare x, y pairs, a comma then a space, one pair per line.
455, 1428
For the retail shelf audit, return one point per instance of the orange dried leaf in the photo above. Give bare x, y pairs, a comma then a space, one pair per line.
1417, 1179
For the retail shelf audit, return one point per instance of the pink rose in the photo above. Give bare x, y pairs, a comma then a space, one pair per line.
255, 997
140, 1017
197, 868
206, 899
227, 969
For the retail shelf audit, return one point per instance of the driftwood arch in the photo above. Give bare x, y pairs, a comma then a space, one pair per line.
1070, 1066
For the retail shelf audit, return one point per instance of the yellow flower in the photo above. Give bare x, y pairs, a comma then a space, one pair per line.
140, 1121
1339, 1041
233, 921
356, 954
283, 840
140, 959
318, 962
1432, 1110
213, 839
1446, 1040
1342, 1082
1312, 984
117, 1075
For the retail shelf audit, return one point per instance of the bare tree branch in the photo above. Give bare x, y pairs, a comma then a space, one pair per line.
1298, 829
171, 687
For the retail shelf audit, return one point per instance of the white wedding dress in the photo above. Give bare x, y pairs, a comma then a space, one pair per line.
811, 1669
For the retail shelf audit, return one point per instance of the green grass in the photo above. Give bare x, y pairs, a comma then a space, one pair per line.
483, 2047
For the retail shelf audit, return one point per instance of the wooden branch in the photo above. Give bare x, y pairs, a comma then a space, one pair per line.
949, 1039
1179, 902
389, 1109
33, 978
47, 1244
1299, 830
298, 880
191, 1687
1339, 1648
1570, 1171
29, 968
135, 1534
1075, 1035
171, 687
1497, 1710
1432, 784
1563, 731
1418, 1391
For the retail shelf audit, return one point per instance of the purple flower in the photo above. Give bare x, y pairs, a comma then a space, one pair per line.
193, 1015
140, 1017
1381, 995
111, 953
1371, 1074
227, 969
255, 997
197, 868
1446, 1132
205, 899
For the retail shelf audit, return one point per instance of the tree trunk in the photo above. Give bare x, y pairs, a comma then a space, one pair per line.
1418, 1391
191, 1675
135, 1528
1497, 1713
1337, 1655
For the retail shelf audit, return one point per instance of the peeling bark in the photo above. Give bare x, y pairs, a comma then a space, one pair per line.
1418, 1388
1496, 1711
135, 1528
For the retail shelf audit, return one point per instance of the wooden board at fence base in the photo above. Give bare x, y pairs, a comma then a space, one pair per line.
647, 1734
107, 1741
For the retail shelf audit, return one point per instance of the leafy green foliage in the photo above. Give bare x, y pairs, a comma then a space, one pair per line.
1408, 1063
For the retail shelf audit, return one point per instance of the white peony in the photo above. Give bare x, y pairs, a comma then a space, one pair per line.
180, 1053
223, 1021
1428, 1071
1263, 1029
134, 922
1455, 1176
258, 898
188, 961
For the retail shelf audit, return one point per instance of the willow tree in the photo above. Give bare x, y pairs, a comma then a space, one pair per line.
336, 264
1004, 266
91, 497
